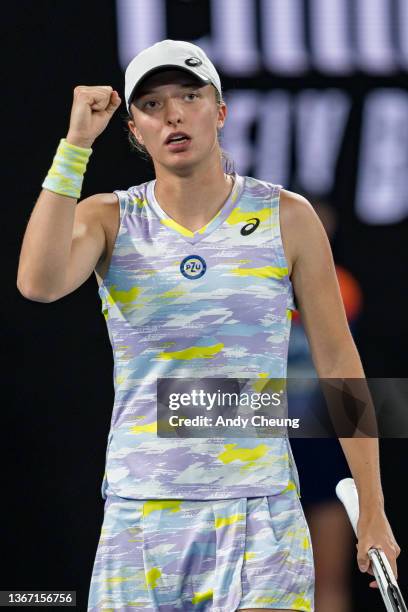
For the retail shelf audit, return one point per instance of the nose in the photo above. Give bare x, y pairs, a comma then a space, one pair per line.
173, 112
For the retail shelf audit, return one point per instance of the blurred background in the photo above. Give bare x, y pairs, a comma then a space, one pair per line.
318, 102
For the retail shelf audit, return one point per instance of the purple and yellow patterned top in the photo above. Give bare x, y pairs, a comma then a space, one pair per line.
212, 303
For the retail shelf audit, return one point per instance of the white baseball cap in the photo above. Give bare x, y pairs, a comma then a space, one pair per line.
170, 54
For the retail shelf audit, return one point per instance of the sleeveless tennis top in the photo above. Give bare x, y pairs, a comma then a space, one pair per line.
212, 303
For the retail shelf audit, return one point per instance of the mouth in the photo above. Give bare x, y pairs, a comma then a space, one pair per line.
177, 140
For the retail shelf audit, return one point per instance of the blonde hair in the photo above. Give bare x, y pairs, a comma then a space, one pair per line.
135, 145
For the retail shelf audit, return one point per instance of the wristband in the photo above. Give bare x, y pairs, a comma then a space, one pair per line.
67, 171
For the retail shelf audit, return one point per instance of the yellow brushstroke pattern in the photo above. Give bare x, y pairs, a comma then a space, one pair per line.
201, 596
152, 576
193, 352
263, 272
249, 555
127, 298
119, 579
242, 454
161, 504
305, 543
174, 293
138, 202
271, 385
221, 521
266, 599
147, 428
290, 487
302, 601
242, 216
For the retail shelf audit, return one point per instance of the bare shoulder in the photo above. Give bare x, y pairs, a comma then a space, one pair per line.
97, 206
299, 222
294, 207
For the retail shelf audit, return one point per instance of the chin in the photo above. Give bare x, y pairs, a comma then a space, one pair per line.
182, 163
190, 160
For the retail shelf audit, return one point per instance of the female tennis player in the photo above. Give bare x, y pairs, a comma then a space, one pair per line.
198, 274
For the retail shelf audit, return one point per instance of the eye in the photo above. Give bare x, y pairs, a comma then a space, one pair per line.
150, 104
191, 96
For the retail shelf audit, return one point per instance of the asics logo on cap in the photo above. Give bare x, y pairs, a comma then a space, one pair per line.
193, 61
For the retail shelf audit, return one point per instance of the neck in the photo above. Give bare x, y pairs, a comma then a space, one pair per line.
195, 198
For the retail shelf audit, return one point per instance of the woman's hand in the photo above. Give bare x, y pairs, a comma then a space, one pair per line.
374, 531
92, 109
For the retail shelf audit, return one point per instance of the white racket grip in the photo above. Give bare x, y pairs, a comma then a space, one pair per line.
346, 491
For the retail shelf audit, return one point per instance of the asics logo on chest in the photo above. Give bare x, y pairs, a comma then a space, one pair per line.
250, 226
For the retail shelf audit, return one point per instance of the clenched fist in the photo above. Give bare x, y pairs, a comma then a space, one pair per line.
92, 109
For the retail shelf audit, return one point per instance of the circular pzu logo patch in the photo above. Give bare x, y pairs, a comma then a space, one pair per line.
193, 266
193, 61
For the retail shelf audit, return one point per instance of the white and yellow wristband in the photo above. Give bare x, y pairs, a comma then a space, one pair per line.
66, 174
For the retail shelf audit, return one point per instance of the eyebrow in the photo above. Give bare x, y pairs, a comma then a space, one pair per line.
189, 85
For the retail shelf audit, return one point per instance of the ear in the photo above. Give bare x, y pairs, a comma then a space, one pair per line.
222, 115
136, 133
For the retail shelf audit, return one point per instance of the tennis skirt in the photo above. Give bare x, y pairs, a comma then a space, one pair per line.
204, 555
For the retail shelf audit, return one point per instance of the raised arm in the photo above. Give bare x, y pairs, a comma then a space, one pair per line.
63, 241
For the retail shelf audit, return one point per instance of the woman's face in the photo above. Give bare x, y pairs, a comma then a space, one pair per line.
173, 101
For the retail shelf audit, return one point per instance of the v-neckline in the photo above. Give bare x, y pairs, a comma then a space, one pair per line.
206, 230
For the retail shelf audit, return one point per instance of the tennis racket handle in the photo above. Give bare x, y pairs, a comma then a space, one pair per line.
346, 491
